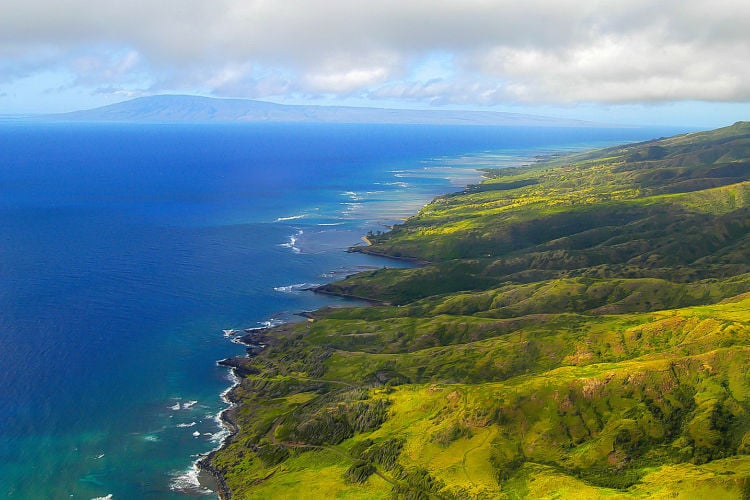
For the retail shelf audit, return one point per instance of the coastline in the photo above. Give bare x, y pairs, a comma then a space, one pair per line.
255, 340
469, 379
157, 305
204, 463
255, 344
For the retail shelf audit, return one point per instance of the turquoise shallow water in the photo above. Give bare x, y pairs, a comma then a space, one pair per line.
125, 250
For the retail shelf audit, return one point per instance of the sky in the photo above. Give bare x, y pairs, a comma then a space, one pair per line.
660, 62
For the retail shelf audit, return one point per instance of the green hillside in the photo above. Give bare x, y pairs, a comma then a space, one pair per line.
579, 328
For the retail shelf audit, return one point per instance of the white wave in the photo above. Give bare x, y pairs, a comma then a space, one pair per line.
187, 482
297, 287
218, 437
223, 433
351, 207
99, 457
236, 340
256, 328
151, 438
272, 322
235, 380
182, 406
263, 325
230, 332
291, 217
331, 223
106, 497
187, 425
292, 243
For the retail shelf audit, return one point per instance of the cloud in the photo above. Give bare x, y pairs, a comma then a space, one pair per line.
344, 73
230, 79
539, 51
624, 68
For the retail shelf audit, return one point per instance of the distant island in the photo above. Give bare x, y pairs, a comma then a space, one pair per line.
578, 328
195, 109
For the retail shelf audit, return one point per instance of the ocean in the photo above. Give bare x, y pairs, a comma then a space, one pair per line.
126, 250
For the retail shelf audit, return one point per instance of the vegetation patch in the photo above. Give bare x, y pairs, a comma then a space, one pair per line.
578, 328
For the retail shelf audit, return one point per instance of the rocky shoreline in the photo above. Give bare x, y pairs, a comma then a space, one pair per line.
613, 367
205, 464
255, 340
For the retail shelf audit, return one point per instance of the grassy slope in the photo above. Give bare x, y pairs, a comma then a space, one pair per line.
582, 330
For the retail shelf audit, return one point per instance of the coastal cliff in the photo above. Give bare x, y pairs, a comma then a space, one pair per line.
579, 326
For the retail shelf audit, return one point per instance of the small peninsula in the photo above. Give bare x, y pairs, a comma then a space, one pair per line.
580, 328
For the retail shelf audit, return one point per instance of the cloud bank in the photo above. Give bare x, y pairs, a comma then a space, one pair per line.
473, 52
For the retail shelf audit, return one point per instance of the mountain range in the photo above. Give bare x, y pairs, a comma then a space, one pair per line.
196, 109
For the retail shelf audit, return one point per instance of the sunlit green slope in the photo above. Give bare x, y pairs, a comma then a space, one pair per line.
581, 328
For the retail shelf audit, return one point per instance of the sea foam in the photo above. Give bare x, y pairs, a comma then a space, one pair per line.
297, 287
187, 482
291, 217
182, 406
292, 243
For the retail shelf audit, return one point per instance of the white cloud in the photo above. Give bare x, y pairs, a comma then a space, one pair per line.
345, 81
648, 67
441, 51
344, 73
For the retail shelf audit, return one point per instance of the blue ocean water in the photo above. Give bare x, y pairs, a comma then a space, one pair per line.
125, 250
